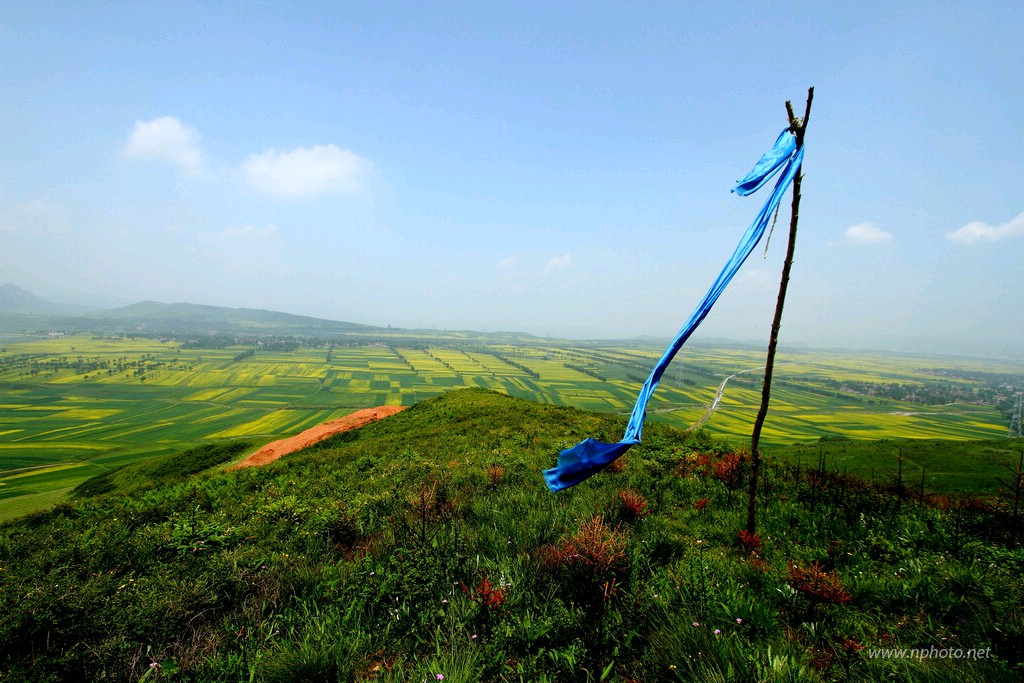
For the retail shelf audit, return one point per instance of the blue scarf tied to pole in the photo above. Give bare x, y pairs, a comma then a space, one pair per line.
585, 459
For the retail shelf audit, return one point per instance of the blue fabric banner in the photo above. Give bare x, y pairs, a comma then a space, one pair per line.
585, 459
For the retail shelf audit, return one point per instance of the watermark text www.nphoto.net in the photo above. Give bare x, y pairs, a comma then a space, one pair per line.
929, 653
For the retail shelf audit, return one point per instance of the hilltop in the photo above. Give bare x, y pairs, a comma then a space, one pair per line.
426, 545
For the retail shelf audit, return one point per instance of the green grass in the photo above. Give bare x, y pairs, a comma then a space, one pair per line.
427, 544
160, 471
961, 468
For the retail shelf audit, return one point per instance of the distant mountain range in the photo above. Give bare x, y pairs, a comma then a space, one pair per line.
199, 316
14, 299
21, 310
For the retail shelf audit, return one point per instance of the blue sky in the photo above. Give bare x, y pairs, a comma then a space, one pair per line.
555, 168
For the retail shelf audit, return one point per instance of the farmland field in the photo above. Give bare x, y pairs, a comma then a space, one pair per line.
73, 407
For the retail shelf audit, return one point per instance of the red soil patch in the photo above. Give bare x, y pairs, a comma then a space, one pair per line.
275, 449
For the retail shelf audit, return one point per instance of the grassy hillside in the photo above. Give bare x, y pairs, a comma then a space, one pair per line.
74, 407
956, 468
161, 471
426, 546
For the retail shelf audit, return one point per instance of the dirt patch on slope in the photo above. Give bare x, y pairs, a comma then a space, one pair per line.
275, 449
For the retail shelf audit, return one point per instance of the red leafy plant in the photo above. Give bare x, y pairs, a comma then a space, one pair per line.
489, 595
597, 545
617, 466
491, 598
632, 505
750, 542
598, 548
495, 474
818, 585
729, 470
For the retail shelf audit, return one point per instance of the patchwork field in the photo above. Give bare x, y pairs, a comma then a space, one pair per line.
74, 407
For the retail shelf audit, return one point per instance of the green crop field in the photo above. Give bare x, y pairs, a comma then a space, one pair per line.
73, 407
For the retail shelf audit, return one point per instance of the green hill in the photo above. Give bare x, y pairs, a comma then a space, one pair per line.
426, 547
154, 317
160, 471
186, 317
21, 312
14, 299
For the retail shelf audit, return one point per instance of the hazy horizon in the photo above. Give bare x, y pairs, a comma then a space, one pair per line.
993, 349
559, 171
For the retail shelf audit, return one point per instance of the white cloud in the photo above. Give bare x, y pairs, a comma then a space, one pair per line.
558, 262
507, 263
166, 139
306, 171
301, 172
977, 231
867, 233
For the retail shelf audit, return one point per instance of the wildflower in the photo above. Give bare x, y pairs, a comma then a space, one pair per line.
718, 632
672, 667
153, 665
473, 637
373, 573
738, 620
696, 624
445, 601
439, 677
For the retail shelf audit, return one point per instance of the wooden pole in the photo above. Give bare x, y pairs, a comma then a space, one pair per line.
798, 126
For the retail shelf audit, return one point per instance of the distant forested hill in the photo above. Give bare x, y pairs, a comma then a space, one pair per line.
22, 311
14, 299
